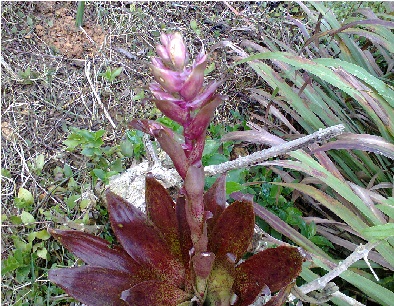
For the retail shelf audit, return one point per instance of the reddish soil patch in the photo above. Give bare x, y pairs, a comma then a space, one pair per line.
58, 30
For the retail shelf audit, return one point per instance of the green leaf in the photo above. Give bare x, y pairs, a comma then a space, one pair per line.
117, 166
379, 231
43, 235
16, 220
5, 173
9, 264
321, 241
26, 197
126, 148
233, 187
68, 172
40, 162
42, 253
193, 24
100, 173
210, 68
27, 217
71, 201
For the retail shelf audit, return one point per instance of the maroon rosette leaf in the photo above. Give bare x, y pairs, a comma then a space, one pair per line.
155, 293
142, 240
160, 209
233, 230
275, 268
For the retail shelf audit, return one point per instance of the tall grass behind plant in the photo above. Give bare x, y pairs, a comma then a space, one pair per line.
339, 73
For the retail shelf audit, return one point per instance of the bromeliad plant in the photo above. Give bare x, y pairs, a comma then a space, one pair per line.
186, 253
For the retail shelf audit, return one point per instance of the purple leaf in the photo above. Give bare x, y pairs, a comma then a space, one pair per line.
177, 51
202, 264
96, 251
215, 200
194, 186
155, 293
160, 94
198, 148
252, 136
161, 211
170, 80
275, 268
165, 137
92, 285
364, 142
172, 110
202, 119
233, 230
205, 96
141, 240
184, 238
193, 84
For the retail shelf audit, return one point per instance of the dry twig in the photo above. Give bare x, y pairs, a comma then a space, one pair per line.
258, 157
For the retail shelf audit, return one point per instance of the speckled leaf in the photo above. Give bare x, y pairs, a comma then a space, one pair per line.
154, 293
184, 229
233, 230
160, 209
96, 251
275, 268
142, 240
92, 285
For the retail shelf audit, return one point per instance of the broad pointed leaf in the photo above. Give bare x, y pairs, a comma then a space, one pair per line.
161, 211
275, 268
196, 153
363, 142
184, 238
215, 200
204, 97
167, 141
203, 263
172, 110
203, 118
184, 229
92, 285
142, 240
168, 79
233, 230
155, 293
193, 84
96, 251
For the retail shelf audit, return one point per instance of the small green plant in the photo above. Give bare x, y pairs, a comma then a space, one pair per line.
111, 74
28, 76
99, 157
80, 12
